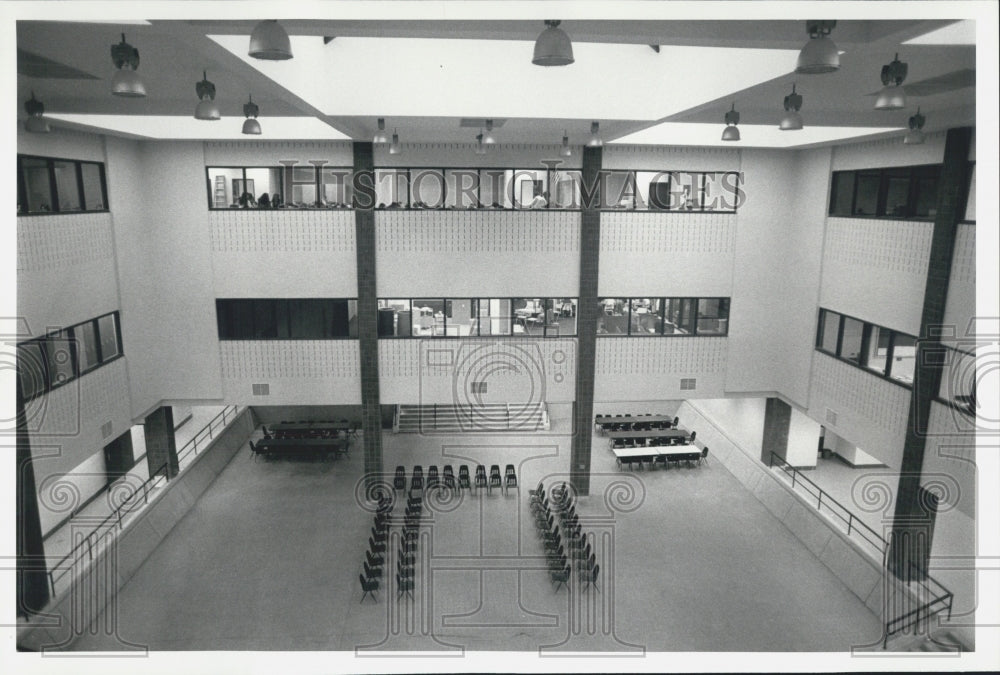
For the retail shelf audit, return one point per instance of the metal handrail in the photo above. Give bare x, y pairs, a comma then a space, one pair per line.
924, 611
128, 505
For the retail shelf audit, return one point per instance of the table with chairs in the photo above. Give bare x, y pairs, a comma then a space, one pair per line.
609, 423
300, 447
628, 457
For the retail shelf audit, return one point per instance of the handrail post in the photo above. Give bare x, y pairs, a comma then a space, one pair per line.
850, 519
819, 501
793, 476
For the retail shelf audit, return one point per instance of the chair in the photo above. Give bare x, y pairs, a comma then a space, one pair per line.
375, 547
379, 536
480, 478
560, 577
508, 470
495, 481
405, 571
591, 579
253, 451
495, 470
368, 586
553, 541
407, 559
418, 470
372, 572
404, 586
587, 563
694, 434
463, 477
538, 492
399, 481
677, 421
704, 455
432, 476
416, 483
511, 482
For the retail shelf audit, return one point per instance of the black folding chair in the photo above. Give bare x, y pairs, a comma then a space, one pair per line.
372, 572
253, 451
374, 560
368, 586
404, 586
704, 455
591, 578
511, 482
399, 481
495, 482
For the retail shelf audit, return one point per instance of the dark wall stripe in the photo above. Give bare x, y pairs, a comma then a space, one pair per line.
161, 444
777, 421
32, 576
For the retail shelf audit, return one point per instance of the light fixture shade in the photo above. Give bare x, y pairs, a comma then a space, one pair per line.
820, 55
566, 151
380, 135
792, 121
127, 84
891, 98
207, 110
394, 147
553, 47
37, 125
731, 134
251, 126
488, 138
913, 137
595, 140
480, 148
269, 41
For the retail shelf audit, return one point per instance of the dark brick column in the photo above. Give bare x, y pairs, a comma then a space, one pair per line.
913, 521
32, 577
777, 419
161, 446
364, 235
586, 325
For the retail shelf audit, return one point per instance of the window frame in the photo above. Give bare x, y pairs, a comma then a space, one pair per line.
475, 303
281, 309
913, 173
22, 192
285, 172
867, 329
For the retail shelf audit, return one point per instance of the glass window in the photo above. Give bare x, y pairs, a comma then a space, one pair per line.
67, 188
925, 192
107, 329
428, 317
565, 190
721, 191
59, 358
619, 190
264, 183
842, 193
653, 188
612, 317
687, 190
302, 186
897, 193
493, 191
310, 319
850, 344
525, 185
878, 349
93, 186
345, 318
529, 316
713, 316
494, 316
223, 183
829, 328
31, 369
38, 188
461, 317
427, 188
391, 188
646, 316
338, 190
560, 317
904, 354
86, 345
394, 318
680, 316
461, 188
866, 201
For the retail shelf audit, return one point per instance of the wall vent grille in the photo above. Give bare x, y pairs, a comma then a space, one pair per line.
261, 389
477, 388
688, 383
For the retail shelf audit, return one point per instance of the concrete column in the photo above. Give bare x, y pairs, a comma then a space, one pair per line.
913, 521
777, 419
586, 325
364, 224
161, 446
32, 575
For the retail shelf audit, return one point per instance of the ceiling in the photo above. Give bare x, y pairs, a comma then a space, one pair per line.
425, 76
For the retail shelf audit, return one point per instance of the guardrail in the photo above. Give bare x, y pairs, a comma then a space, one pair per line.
89, 546
940, 597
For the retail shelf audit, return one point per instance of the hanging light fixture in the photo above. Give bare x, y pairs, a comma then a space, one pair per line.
489, 139
480, 148
553, 47
792, 121
915, 136
269, 41
207, 108
394, 147
820, 54
566, 151
250, 111
595, 135
380, 135
731, 132
125, 82
36, 123
892, 96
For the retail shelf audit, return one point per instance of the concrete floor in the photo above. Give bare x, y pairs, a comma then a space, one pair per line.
269, 558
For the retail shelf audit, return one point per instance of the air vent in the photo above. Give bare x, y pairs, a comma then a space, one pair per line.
477, 388
831, 418
480, 123
688, 383
106, 429
261, 389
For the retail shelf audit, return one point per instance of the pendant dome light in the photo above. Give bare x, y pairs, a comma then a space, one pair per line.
36, 122
553, 47
250, 111
207, 108
566, 151
270, 42
892, 96
395, 148
480, 148
792, 121
126, 82
595, 136
915, 136
380, 135
489, 139
820, 54
731, 132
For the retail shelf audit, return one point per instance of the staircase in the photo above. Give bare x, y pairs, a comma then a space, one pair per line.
486, 417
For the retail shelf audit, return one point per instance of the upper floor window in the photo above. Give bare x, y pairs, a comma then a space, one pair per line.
477, 317
267, 187
286, 318
883, 351
52, 185
896, 192
646, 317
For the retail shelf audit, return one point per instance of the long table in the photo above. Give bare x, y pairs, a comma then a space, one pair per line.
668, 452
631, 419
652, 433
302, 446
311, 426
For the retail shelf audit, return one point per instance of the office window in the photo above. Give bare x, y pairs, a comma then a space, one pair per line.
612, 318
925, 183
85, 336
59, 359
897, 193
646, 316
107, 329
493, 191
877, 353
713, 316
687, 190
394, 318
529, 316
958, 381
904, 354
337, 188
303, 186
842, 193
523, 185
461, 188
495, 316
850, 344
265, 181
427, 188
866, 196
460, 317
31, 373
37, 184
93, 186
560, 313
286, 319
619, 190
222, 183
67, 187
720, 191
428, 317
680, 316
565, 192
392, 188
829, 329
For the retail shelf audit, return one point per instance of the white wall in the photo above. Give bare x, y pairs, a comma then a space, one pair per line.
61, 143
960, 307
892, 151
297, 372
501, 155
803, 440
639, 368
271, 153
742, 420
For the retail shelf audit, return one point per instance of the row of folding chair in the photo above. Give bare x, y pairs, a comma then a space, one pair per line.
406, 557
447, 478
562, 539
375, 555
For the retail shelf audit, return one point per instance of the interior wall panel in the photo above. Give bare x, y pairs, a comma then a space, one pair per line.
635, 369
296, 372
